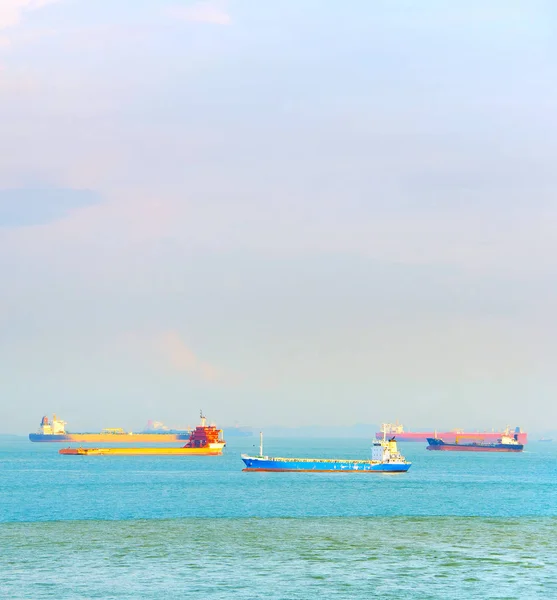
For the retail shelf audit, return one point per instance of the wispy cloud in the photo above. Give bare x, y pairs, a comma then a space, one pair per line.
182, 358
12, 11
201, 12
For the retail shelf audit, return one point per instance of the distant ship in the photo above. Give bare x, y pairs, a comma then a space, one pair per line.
396, 429
544, 439
385, 458
237, 431
504, 444
55, 431
203, 440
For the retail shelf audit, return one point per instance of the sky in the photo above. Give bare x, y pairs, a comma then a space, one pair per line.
284, 212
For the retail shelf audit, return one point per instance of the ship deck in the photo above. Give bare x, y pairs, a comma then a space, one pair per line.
141, 451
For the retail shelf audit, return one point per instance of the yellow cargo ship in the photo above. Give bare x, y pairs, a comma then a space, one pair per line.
203, 440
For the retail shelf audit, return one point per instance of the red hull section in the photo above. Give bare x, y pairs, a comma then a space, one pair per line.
322, 471
458, 448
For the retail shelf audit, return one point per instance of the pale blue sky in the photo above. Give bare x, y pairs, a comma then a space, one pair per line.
282, 211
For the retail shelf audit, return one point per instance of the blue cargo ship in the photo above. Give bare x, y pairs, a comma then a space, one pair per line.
385, 458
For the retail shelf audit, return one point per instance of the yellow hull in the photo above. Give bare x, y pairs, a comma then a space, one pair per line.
142, 451
111, 438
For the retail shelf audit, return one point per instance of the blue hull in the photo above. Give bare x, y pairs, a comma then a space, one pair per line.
39, 437
321, 465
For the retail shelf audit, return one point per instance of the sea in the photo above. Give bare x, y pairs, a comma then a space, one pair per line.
457, 525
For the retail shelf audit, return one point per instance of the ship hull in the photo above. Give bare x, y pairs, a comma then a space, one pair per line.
487, 437
321, 465
140, 451
436, 444
472, 448
111, 438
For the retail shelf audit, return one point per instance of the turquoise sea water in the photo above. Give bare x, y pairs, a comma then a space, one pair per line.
456, 525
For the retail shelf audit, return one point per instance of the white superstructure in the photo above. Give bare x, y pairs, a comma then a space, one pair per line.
54, 427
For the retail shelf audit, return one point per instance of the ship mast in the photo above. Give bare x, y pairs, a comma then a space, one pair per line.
260, 443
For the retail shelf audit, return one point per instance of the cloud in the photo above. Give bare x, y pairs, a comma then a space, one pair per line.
182, 358
11, 11
11, 14
20, 207
201, 12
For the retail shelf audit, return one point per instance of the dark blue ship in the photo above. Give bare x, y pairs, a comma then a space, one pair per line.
504, 444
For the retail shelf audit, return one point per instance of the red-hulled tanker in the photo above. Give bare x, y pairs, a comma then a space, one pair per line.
490, 437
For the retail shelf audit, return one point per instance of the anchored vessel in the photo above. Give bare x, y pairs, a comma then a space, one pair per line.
203, 440
55, 431
237, 431
397, 429
385, 458
504, 444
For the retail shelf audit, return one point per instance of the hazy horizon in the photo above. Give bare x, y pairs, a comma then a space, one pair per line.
354, 431
285, 213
